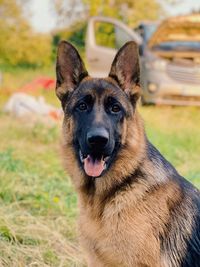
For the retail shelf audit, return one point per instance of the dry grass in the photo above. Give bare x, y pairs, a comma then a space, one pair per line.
28, 240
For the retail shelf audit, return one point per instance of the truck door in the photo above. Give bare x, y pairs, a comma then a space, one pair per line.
104, 36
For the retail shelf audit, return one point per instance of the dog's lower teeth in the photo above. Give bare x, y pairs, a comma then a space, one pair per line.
81, 156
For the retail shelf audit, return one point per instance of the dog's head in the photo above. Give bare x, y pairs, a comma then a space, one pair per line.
97, 107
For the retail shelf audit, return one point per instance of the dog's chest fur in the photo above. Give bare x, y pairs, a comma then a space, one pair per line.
123, 233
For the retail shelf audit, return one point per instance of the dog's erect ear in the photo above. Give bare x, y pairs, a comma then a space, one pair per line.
70, 69
125, 69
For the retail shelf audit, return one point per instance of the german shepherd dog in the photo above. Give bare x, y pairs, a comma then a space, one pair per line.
135, 209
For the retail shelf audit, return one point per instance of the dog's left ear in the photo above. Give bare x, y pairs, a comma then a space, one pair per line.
125, 70
70, 70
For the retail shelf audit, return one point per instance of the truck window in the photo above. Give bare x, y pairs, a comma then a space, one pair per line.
105, 34
110, 35
121, 37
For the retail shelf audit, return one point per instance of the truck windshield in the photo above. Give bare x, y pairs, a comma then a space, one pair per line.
149, 29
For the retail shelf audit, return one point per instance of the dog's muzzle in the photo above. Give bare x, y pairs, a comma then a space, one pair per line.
95, 161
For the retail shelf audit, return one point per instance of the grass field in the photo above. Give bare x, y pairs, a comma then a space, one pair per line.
38, 206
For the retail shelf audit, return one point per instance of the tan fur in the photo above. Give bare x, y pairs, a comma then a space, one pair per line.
136, 214
107, 240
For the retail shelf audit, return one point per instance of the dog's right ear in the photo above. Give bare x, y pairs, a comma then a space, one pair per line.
70, 70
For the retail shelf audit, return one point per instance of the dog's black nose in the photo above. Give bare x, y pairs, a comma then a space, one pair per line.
97, 137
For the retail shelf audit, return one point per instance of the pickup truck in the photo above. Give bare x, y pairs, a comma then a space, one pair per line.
169, 56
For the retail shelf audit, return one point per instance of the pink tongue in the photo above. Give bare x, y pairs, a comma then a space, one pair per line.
93, 168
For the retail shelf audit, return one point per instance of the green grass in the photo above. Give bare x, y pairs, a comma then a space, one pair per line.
175, 132
38, 205
37, 202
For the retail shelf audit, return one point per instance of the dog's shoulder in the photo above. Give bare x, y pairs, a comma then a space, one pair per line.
180, 240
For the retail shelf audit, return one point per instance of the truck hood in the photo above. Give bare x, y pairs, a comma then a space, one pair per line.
180, 28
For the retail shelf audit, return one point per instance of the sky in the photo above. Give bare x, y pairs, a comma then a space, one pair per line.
41, 16
43, 20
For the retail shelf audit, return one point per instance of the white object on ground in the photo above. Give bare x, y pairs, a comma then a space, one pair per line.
21, 104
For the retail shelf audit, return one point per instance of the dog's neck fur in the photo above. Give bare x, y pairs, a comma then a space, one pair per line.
131, 163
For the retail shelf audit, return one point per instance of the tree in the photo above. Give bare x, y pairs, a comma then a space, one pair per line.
67, 12
19, 45
130, 11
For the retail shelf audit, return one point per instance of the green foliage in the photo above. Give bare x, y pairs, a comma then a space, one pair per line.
50, 258
105, 34
130, 11
19, 45
110, 8
74, 34
8, 162
141, 10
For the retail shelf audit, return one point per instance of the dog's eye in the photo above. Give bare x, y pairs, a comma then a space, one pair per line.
82, 106
115, 108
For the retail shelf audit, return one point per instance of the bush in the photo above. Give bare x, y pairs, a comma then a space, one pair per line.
19, 45
75, 35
